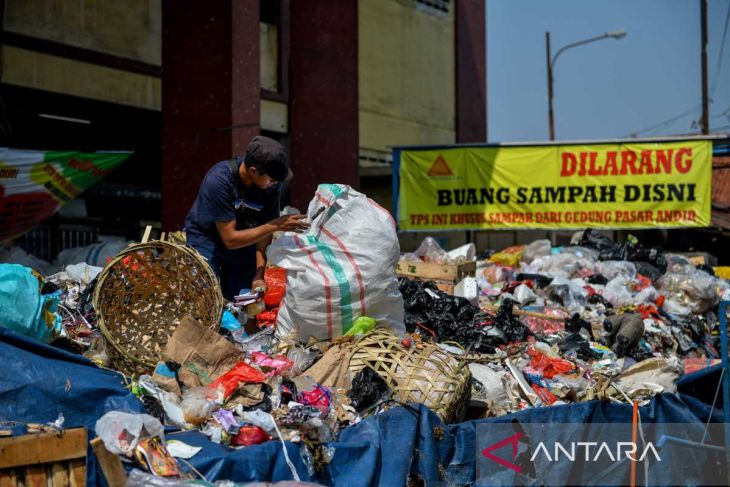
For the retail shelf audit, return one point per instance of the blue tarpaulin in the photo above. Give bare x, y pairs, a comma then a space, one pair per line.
39, 382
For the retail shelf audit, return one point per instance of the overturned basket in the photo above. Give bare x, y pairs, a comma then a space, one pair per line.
142, 295
431, 376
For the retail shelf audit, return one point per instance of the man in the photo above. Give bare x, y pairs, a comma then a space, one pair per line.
237, 211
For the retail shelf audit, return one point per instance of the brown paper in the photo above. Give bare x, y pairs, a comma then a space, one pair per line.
247, 395
332, 370
203, 354
165, 382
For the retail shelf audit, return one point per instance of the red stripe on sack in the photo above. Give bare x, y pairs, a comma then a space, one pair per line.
323, 200
390, 217
354, 266
327, 293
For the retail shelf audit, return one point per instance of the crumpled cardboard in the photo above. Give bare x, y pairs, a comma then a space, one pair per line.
332, 370
203, 354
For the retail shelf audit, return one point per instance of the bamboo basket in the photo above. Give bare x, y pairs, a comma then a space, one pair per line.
432, 376
143, 293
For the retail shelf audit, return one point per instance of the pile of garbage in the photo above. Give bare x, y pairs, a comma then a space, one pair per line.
590, 320
244, 381
298, 361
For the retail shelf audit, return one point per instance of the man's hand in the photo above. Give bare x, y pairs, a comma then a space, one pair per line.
290, 223
258, 285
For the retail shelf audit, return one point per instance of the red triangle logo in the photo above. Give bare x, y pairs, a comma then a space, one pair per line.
440, 168
511, 440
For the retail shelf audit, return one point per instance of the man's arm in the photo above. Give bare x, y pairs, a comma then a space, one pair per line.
258, 280
236, 239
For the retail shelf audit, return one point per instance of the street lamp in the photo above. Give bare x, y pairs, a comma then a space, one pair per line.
617, 34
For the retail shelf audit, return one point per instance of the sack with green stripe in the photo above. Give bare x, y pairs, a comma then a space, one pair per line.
342, 268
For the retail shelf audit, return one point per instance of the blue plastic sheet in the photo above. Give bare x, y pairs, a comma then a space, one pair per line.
39, 382
386, 449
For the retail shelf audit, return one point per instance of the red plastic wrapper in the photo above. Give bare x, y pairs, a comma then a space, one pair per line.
275, 278
544, 394
648, 311
250, 435
241, 373
267, 318
318, 397
643, 282
549, 366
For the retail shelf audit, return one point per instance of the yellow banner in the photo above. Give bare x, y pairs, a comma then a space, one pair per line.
642, 185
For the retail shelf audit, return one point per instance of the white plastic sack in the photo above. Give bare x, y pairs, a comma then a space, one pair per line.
93, 255
342, 268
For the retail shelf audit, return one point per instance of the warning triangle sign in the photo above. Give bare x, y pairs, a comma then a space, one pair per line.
440, 168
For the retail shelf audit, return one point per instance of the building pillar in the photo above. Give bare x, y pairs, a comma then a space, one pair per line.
471, 86
323, 108
210, 93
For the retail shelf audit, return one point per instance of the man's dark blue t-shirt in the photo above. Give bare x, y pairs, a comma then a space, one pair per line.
223, 197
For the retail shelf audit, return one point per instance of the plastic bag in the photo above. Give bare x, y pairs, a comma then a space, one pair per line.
262, 341
615, 268
23, 308
229, 322
523, 294
367, 389
342, 268
363, 325
239, 374
97, 351
697, 288
303, 358
198, 404
492, 273
538, 248
510, 256
491, 383
430, 251
138, 478
617, 292
275, 278
548, 366
563, 265
121, 432
318, 397
250, 435
540, 325
277, 364
169, 401
94, 255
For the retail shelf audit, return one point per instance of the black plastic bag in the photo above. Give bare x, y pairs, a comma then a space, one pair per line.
368, 388
539, 280
574, 343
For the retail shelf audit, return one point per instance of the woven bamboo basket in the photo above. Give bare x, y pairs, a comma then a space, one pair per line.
432, 376
143, 293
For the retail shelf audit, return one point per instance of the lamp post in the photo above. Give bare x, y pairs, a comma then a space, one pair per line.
618, 34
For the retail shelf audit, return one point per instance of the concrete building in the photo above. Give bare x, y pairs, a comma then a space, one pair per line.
185, 84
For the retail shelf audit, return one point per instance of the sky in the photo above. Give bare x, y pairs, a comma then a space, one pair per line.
610, 88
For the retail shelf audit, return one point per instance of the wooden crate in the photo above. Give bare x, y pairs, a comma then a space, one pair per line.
44, 459
446, 276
